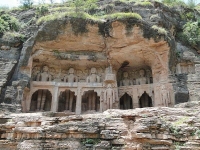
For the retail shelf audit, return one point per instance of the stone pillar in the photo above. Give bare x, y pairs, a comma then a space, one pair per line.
178, 68
54, 103
78, 101
135, 100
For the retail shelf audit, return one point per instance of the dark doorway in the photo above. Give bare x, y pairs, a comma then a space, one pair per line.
41, 100
145, 100
126, 102
67, 101
90, 101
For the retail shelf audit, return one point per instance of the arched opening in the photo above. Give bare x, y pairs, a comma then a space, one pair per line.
90, 101
126, 102
145, 100
67, 101
41, 100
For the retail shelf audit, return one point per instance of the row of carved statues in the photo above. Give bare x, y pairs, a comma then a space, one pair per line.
93, 77
45, 75
142, 79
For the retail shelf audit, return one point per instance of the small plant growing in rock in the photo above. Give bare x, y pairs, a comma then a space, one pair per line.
90, 141
197, 133
159, 29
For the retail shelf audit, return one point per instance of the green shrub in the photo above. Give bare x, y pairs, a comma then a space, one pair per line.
143, 3
26, 4
192, 32
197, 133
122, 15
11, 36
42, 10
4, 26
159, 29
13, 23
173, 2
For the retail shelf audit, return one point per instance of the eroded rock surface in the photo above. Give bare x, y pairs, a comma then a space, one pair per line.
159, 128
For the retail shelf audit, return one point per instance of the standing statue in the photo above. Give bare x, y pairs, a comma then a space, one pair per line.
35, 72
71, 78
93, 77
125, 81
165, 97
109, 97
44, 76
142, 79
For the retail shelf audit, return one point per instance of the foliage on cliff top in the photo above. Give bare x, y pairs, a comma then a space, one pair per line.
58, 15
122, 15
8, 22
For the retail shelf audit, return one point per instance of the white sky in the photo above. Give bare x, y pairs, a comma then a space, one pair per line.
14, 3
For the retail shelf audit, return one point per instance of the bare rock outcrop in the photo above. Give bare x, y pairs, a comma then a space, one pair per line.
159, 128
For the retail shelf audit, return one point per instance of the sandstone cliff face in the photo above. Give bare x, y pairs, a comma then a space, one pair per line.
147, 128
117, 40
114, 41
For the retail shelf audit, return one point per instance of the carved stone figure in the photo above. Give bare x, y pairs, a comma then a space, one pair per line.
109, 96
93, 77
142, 79
165, 97
19, 94
35, 72
53, 73
149, 76
125, 81
70, 77
44, 76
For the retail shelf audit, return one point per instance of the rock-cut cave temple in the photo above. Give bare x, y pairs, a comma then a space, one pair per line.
89, 72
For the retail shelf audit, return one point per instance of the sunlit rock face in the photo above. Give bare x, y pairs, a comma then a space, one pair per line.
140, 128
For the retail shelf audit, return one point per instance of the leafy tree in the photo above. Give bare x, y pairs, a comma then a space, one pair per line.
192, 32
191, 4
27, 4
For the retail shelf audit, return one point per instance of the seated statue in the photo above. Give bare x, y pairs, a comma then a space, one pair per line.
70, 77
125, 81
44, 76
93, 77
142, 79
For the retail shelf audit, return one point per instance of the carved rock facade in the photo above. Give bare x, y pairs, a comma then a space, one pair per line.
91, 73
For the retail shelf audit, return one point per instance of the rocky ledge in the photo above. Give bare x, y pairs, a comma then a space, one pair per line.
158, 128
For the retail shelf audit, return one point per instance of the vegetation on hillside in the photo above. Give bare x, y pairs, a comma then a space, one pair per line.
100, 11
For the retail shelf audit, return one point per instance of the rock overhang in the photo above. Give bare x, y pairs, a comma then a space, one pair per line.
119, 40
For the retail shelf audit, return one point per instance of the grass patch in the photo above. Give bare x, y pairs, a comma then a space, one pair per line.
122, 15
159, 29
59, 15
143, 3
12, 36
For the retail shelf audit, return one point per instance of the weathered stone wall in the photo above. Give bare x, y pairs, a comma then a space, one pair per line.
147, 128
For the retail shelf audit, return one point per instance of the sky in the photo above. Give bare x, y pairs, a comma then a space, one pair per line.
15, 3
